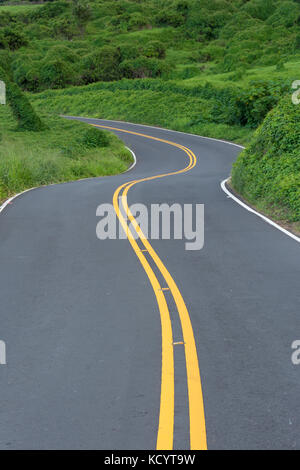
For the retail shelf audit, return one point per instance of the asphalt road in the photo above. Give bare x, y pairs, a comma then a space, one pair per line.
82, 324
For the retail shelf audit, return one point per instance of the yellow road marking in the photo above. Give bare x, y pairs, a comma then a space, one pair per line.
196, 407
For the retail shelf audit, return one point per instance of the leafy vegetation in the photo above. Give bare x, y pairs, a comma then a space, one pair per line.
211, 67
135, 39
267, 173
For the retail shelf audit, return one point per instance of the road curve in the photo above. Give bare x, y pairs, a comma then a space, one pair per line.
83, 325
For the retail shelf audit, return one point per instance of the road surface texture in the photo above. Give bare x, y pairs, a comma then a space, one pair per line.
83, 324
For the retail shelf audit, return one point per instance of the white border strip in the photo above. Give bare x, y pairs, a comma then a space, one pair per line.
245, 206
134, 160
8, 201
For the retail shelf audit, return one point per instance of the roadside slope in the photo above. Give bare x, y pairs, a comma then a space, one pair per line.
267, 173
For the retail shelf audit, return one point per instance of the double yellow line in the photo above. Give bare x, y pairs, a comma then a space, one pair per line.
196, 407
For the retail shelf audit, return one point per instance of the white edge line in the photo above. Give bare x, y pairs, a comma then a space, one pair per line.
8, 201
266, 219
134, 160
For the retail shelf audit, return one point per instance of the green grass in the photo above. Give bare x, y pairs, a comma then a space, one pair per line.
246, 76
59, 154
17, 9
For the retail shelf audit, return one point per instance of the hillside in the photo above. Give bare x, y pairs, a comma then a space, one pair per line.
76, 43
230, 61
210, 67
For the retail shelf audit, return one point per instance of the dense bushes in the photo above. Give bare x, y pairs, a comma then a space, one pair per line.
62, 66
222, 35
64, 28
56, 74
14, 39
94, 138
49, 10
253, 104
3, 41
143, 67
268, 172
101, 65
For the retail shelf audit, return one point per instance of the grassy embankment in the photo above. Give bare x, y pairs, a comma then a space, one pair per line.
267, 173
66, 151
211, 105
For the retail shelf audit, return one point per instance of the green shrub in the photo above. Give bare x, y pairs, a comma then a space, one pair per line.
95, 138
49, 10
143, 67
297, 42
206, 22
168, 17
5, 18
65, 28
101, 65
38, 31
56, 74
21, 72
155, 49
5, 61
253, 105
261, 9
14, 39
287, 14
130, 51
3, 41
64, 53
137, 21
267, 173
